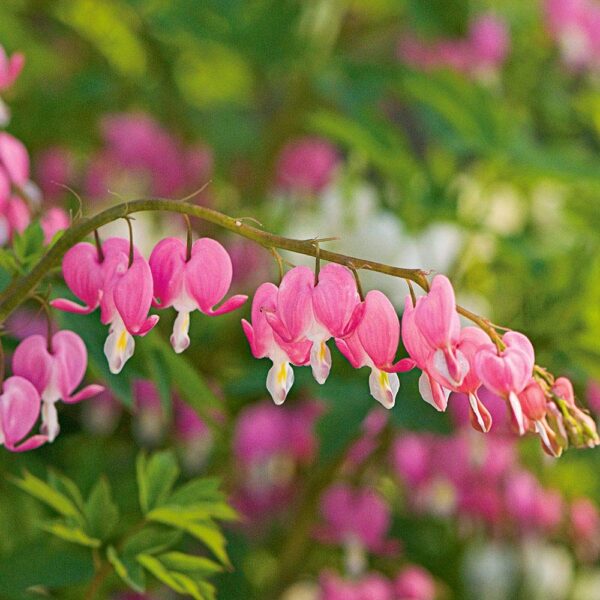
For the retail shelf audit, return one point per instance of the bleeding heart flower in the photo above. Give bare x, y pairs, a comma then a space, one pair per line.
19, 411
374, 344
316, 312
264, 342
420, 351
55, 370
123, 292
471, 339
198, 283
437, 320
507, 372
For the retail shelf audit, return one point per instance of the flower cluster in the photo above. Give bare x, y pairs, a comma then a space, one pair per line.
44, 372
117, 278
292, 323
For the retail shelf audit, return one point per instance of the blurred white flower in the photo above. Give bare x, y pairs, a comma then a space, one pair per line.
547, 571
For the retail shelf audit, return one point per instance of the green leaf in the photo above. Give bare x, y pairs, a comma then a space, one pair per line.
152, 539
204, 530
198, 490
196, 512
128, 569
101, 513
8, 261
156, 476
71, 533
29, 245
45, 493
66, 486
179, 582
196, 566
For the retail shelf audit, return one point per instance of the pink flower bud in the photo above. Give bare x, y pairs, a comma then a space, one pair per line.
533, 401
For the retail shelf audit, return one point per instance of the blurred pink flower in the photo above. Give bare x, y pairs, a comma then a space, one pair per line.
575, 25
149, 418
352, 515
371, 586
52, 221
414, 583
306, 165
53, 167
101, 414
137, 144
593, 396
483, 51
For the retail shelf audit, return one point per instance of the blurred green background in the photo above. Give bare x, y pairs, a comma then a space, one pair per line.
487, 172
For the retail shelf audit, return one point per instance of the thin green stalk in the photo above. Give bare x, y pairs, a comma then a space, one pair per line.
22, 287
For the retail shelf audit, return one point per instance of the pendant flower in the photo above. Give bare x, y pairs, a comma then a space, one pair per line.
55, 372
199, 283
123, 292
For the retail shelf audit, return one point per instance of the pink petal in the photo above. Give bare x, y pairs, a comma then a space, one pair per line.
379, 329
260, 334
35, 441
70, 356
353, 350
294, 304
229, 305
85, 393
481, 419
167, 263
436, 316
19, 409
84, 275
32, 361
208, 273
335, 298
14, 158
133, 296
414, 342
432, 392
514, 339
72, 307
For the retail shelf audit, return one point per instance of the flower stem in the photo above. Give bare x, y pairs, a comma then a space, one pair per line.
16, 293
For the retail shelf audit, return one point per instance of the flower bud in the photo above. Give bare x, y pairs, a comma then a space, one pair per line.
533, 401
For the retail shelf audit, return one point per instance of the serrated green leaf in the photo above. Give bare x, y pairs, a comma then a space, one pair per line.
71, 533
128, 569
45, 493
152, 539
156, 476
100, 512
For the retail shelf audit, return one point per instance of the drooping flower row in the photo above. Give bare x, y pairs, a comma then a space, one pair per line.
292, 323
116, 278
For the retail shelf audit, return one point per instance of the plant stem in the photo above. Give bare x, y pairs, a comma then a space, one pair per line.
16, 293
